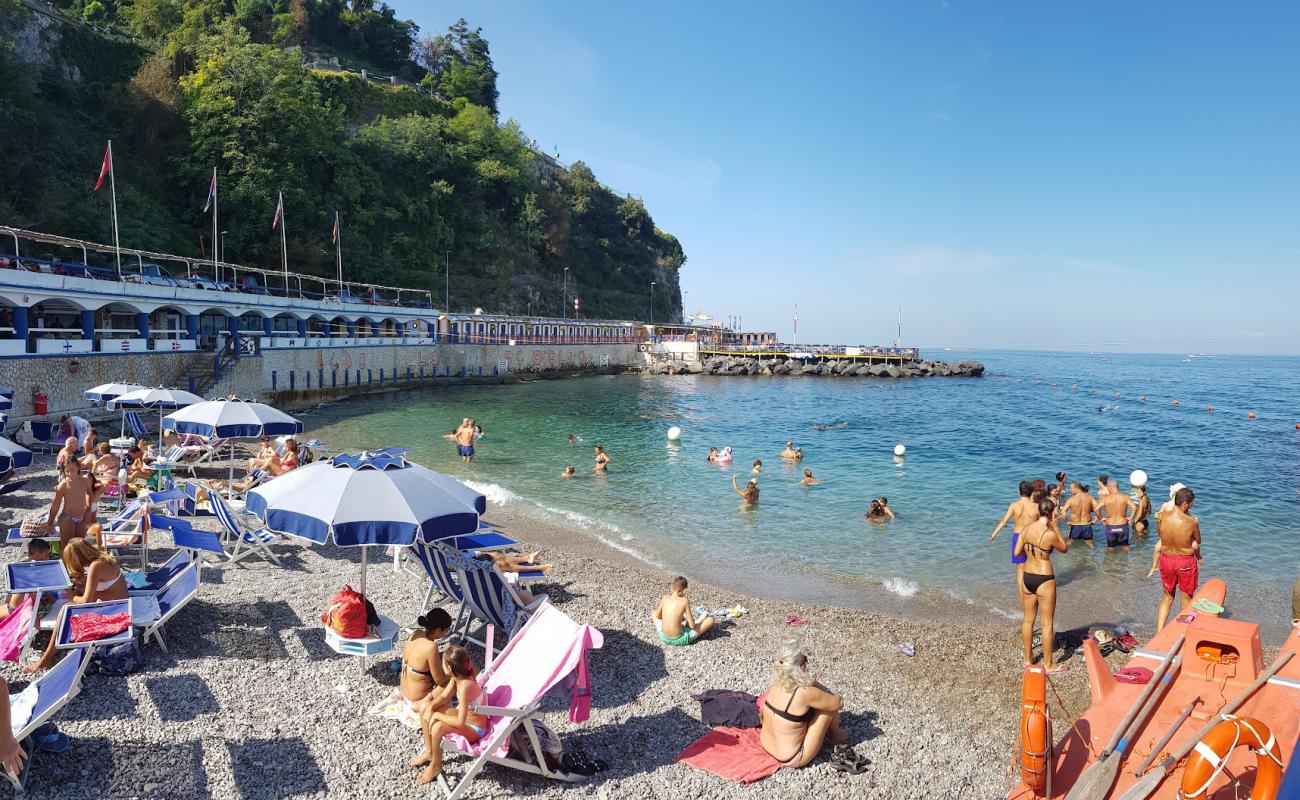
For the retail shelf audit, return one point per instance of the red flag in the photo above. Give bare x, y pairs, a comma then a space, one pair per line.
334, 234
279, 212
106, 169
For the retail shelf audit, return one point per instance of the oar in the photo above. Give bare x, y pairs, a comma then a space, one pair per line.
1096, 780
1169, 734
1148, 783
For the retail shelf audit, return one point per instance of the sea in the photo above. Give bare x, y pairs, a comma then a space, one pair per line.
969, 441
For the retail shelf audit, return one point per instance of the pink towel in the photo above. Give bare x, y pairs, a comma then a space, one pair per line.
14, 630
733, 753
580, 706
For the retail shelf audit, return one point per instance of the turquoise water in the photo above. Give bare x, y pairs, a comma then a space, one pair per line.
969, 441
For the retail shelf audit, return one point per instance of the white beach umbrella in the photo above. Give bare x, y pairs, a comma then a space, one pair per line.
231, 419
13, 456
6, 398
371, 498
152, 398
107, 391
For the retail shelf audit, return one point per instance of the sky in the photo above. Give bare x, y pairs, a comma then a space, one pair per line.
1103, 175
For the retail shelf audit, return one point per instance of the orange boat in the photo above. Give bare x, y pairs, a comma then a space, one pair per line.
1221, 659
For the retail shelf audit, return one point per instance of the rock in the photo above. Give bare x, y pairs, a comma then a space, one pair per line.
893, 371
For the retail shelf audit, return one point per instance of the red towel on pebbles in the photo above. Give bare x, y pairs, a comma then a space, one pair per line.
734, 753
92, 627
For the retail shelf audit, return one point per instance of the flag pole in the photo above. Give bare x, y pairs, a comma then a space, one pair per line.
338, 250
284, 252
112, 187
216, 241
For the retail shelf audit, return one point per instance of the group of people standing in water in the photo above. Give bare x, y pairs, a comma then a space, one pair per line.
1041, 511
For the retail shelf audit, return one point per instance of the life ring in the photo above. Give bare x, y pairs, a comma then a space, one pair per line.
1211, 754
1035, 730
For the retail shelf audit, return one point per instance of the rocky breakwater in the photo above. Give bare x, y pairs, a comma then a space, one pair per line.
721, 365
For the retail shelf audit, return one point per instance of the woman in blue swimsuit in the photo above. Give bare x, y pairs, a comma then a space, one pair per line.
438, 719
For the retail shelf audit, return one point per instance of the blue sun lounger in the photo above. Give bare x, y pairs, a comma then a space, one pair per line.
54, 690
488, 596
156, 579
193, 542
246, 541
174, 596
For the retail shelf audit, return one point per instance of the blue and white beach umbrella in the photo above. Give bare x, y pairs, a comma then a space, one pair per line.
154, 398
6, 398
108, 391
372, 498
13, 456
231, 419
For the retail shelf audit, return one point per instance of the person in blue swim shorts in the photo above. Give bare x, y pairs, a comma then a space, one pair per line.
1023, 511
1115, 509
1079, 512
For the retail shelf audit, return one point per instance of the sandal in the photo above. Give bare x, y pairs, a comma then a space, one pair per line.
846, 759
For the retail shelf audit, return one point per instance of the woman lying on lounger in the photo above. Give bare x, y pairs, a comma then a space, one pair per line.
508, 563
95, 576
421, 662
438, 718
798, 713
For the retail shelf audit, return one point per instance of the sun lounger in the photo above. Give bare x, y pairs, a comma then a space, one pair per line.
45, 437
442, 579
156, 579
201, 455
128, 531
173, 596
54, 690
190, 506
244, 540
193, 542
546, 650
488, 596
15, 536
134, 425
63, 638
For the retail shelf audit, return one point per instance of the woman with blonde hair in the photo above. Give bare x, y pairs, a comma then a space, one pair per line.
95, 576
799, 714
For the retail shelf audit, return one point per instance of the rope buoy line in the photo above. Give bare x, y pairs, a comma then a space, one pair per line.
1209, 409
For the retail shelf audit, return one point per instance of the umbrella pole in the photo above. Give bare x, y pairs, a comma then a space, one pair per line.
230, 483
364, 551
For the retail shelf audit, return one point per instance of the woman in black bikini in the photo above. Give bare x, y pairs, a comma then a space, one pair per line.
421, 662
1038, 582
798, 714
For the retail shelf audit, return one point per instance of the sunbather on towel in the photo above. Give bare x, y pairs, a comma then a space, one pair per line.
674, 619
798, 713
37, 550
422, 670
508, 563
95, 576
438, 719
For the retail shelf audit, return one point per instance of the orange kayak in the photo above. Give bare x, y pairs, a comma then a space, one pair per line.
1220, 659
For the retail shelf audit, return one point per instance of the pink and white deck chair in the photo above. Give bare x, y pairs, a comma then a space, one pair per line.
548, 648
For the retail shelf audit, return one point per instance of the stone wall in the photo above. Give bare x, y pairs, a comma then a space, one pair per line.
64, 378
283, 374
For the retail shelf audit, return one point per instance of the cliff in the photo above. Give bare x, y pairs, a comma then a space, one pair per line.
402, 140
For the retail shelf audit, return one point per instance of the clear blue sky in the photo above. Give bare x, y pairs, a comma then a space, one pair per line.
1107, 175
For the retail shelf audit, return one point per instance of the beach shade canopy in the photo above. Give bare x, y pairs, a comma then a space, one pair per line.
6, 397
13, 456
108, 391
371, 498
231, 419
154, 398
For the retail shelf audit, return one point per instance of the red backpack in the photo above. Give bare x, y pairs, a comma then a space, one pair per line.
347, 615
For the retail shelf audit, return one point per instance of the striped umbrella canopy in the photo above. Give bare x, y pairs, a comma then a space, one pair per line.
107, 391
6, 398
154, 398
231, 419
13, 456
371, 498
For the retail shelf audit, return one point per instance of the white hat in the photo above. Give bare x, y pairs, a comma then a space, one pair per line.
1173, 490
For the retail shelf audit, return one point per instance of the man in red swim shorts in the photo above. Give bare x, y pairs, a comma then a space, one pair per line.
1177, 555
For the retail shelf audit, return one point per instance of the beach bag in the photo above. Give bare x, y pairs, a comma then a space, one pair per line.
121, 659
522, 748
37, 524
349, 614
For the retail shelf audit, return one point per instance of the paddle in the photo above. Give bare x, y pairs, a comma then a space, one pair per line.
1148, 783
1164, 740
1096, 780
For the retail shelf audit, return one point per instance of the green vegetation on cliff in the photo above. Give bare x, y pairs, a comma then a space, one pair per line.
421, 170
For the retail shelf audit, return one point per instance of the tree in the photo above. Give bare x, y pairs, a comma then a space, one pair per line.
460, 65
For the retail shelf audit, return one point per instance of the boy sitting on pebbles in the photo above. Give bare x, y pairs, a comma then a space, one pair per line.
674, 620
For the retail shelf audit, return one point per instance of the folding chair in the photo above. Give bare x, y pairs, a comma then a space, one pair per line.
134, 425
54, 690
44, 435
245, 541
174, 596
156, 579
546, 651
490, 598
195, 543
442, 579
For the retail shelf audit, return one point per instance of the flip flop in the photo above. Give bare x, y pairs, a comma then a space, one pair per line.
846, 759
1208, 606
793, 620
1058, 669
907, 649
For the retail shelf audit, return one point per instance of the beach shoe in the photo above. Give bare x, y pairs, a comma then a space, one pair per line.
1208, 606
50, 739
1126, 643
846, 759
908, 649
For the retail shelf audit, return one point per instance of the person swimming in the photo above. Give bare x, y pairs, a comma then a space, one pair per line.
789, 451
833, 426
713, 454
758, 467
808, 479
568, 472
749, 494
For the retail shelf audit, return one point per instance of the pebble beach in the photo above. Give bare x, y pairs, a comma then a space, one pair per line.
249, 701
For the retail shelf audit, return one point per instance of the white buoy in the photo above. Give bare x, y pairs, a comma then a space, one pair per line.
674, 433
1138, 479
899, 450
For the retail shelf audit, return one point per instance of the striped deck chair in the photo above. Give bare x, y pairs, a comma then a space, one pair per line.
202, 455
489, 597
442, 580
244, 540
54, 690
134, 425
